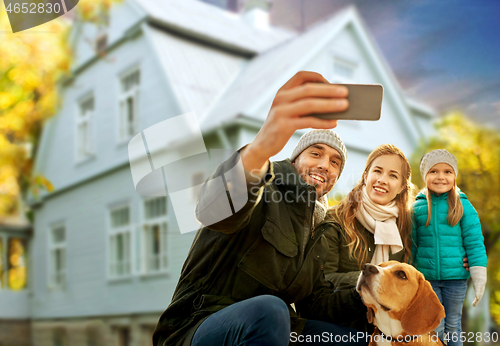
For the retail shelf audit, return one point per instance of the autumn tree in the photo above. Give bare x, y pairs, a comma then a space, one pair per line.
32, 64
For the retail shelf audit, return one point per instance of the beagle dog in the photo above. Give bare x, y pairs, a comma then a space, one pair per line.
401, 304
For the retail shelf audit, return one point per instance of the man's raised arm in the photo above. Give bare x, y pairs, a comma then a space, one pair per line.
305, 93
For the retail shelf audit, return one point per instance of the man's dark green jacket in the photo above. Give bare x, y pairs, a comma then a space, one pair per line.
267, 247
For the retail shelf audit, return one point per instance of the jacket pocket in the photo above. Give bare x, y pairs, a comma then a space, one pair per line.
269, 257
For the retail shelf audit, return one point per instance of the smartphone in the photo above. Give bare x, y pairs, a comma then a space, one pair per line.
365, 103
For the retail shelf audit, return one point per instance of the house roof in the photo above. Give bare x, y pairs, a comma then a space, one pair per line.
258, 82
261, 78
196, 73
212, 24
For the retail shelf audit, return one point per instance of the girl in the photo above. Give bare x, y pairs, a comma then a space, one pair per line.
373, 222
446, 229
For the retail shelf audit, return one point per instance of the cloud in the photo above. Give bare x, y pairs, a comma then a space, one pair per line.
440, 53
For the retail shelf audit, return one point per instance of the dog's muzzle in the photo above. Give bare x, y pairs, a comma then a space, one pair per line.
368, 270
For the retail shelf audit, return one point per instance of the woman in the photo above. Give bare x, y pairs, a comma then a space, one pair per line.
373, 222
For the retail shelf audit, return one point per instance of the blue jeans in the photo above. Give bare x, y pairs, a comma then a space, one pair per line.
451, 294
265, 320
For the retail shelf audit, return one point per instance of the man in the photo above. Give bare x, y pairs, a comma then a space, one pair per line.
243, 273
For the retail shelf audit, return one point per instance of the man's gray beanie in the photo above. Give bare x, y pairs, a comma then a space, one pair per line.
437, 156
323, 136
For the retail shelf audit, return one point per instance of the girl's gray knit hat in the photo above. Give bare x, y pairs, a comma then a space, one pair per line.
437, 156
323, 136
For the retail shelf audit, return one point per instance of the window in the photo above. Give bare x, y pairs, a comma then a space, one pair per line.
120, 257
58, 256
343, 71
129, 98
155, 235
13, 263
59, 337
93, 337
17, 271
84, 145
123, 336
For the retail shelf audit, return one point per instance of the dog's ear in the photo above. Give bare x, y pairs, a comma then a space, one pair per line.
425, 312
370, 314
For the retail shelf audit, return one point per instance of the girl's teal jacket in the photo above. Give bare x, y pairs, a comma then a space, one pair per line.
439, 249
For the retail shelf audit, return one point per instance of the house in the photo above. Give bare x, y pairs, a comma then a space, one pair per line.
104, 260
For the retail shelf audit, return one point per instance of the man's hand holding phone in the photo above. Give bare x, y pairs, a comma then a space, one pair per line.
365, 103
308, 100
304, 94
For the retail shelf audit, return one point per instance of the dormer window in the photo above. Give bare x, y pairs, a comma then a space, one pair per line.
343, 71
129, 100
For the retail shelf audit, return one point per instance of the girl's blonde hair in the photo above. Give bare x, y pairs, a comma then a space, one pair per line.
345, 211
455, 208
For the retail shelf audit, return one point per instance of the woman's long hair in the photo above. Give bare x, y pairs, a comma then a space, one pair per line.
455, 208
345, 211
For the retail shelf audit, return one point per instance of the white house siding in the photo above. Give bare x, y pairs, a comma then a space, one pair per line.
88, 291
156, 103
90, 302
15, 304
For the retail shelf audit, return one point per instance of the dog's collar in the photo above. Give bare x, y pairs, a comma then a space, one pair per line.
399, 338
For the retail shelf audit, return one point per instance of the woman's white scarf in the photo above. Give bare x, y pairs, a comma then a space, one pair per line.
381, 221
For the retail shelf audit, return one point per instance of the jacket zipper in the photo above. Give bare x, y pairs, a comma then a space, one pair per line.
311, 223
312, 215
435, 226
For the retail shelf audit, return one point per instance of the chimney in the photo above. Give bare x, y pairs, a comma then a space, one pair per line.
256, 13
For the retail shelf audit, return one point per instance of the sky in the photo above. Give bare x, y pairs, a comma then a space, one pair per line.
445, 53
